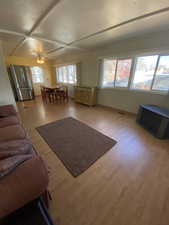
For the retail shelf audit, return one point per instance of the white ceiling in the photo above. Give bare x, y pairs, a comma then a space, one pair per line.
10, 42
21, 15
55, 27
31, 46
136, 28
65, 51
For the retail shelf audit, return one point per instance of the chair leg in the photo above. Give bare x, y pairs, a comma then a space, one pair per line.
49, 98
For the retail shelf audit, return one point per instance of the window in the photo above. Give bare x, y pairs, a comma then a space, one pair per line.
161, 81
116, 72
109, 69
66, 74
144, 72
123, 73
152, 73
37, 74
149, 73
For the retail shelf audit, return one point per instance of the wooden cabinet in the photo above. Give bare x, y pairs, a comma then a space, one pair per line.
85, 95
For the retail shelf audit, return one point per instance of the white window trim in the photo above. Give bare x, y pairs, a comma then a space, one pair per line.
113, 86
67, 84
42, 75
132, 71
65, 65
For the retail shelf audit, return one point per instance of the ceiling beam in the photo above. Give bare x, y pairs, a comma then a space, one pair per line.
32, 36
18, 46
48, 40
114, 27
67, 47
41, 19
12, 32
123, 23
24, 37
44, 16
61, 45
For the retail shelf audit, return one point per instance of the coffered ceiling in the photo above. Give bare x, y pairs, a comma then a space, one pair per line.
56, 27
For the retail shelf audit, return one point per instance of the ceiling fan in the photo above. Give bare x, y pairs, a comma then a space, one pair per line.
40, 58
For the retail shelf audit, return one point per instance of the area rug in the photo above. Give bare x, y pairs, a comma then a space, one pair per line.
76, 144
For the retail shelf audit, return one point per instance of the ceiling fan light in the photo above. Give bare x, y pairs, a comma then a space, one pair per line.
40, 60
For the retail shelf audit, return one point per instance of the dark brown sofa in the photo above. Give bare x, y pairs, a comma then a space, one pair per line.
28, 180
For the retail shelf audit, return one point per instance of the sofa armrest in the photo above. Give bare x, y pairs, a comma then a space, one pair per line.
7, 110
27, 182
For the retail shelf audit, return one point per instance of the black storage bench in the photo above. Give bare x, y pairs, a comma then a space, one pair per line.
155, 119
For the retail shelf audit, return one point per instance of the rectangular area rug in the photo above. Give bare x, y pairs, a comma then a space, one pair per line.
76, 144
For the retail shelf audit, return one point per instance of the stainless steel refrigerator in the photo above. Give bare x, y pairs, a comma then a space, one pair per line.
21, 82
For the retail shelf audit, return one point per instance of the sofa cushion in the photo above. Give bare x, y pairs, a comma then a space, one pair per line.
16, 147
7, 165
12, 133
10, 120
14, 144
28, 181
7, 110
9, 154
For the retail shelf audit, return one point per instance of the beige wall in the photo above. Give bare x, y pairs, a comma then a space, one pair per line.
32, 62
121, 99
6, 94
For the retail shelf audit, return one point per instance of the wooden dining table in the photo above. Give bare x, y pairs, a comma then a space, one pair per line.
54, 93
53, 87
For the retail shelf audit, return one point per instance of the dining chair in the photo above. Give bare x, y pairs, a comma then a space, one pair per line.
47, 94
61, 93
43, 93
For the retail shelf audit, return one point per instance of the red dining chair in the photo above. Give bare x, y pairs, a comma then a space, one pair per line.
62, 93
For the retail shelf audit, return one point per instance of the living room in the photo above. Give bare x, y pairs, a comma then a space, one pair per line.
84, 112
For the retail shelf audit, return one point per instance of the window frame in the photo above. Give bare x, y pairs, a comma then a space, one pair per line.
34, 74
131, 68
117, 59
132, 73
102, 71
67, 71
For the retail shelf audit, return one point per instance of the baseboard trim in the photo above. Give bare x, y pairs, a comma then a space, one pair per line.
117, 110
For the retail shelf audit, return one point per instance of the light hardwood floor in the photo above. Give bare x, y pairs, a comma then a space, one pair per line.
129, 185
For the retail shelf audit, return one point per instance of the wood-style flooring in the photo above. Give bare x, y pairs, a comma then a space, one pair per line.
129, 185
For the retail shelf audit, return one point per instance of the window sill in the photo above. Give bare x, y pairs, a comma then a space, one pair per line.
70, 84
151, 92
136, 90
114, 88
38, 82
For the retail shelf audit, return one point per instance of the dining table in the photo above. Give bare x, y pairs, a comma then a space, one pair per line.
54, 93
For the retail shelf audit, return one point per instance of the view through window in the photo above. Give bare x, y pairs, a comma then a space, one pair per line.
123, 72
116, 72
109, 68
161, 81
67, 74
37, 74
144, 72
149, 73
